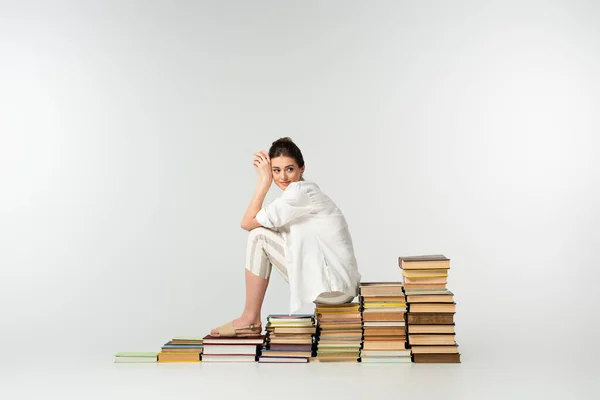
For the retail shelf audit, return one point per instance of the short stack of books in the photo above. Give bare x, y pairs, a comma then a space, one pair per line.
424, 272
339, 332
383, 319
136, 357
431, 309
289, 338
232, 349
181, 349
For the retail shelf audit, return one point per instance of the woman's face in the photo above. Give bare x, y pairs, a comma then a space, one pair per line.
285, 171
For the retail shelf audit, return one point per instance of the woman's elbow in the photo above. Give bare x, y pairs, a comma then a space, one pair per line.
251, 224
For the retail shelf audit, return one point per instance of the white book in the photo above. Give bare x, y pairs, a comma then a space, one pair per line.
385, 353
388, 360
229, 349
221, 358
135, 359
282, 360
389, 323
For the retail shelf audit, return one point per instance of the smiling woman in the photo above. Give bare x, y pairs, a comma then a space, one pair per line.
303, 234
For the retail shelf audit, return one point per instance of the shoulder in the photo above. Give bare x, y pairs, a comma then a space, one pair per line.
305, 186
299, 190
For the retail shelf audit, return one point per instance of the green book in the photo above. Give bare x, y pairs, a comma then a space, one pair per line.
136, 354
136, 357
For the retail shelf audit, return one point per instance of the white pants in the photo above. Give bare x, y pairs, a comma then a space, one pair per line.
266, 248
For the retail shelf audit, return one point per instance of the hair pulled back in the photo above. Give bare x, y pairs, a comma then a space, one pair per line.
285, 147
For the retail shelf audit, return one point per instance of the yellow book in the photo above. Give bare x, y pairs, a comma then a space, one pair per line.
388, 304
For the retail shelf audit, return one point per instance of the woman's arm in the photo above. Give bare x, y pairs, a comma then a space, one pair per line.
262, 163
249, 221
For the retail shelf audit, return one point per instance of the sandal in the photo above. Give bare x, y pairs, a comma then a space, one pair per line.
227, 330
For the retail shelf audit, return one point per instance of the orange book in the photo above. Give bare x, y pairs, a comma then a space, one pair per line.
178, 357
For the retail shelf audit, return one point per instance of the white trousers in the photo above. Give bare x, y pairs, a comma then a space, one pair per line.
266, 249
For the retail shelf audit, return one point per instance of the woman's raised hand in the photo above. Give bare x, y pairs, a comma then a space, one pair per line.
262, 163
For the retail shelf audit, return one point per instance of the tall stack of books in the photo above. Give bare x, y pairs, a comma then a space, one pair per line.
136, 357
289, 338
181, 349
383, 319
431, 309
339, 332
232, 349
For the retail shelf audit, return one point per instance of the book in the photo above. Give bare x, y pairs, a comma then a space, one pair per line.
186, 340
424, 273
381, 289
178, 357
426, 291
258, 340
434, 349
283, 353
430, 280
424, 285
229, 358
294, 347
384, 331
396, 345
430, 318
431, 329
211, 349
307, 340
383, 323
433, 307
277, 330
271, 317
135, 357
436, 261
394, 299
384, 304
267, 359
136, 354
137, 360
368, 309
437, 358
431, 339
383, 316
430, 298
388, 360
386, 353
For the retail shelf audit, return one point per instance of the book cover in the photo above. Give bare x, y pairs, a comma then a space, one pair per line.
430, 318
436, 358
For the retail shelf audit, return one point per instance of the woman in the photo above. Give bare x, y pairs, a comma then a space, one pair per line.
303, 234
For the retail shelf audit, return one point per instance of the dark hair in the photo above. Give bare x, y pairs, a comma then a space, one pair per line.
286, 148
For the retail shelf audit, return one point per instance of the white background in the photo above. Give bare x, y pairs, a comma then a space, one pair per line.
463, 128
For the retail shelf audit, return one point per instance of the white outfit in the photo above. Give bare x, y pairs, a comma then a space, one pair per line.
319, 254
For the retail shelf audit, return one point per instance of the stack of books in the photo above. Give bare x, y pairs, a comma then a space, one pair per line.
181, 349
339, 332
384, 323
232, 349
289, 338
425, 272
136, 357
431, 309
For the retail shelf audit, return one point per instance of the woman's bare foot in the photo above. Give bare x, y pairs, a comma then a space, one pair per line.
242, 322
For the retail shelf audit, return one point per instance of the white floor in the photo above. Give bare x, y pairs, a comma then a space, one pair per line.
521, 378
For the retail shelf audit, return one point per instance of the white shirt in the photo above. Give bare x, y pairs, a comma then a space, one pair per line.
319, 252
